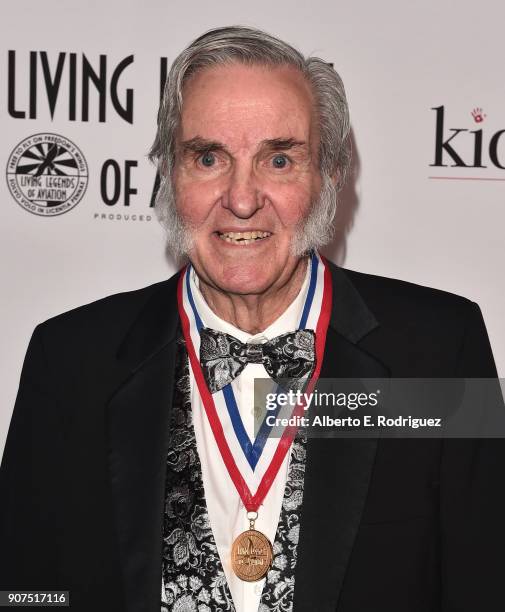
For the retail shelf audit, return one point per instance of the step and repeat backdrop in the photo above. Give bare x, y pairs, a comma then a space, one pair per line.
425, 201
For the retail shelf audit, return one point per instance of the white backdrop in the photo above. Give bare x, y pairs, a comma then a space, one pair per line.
401, 216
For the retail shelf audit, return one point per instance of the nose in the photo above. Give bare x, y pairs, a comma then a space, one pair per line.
243, 196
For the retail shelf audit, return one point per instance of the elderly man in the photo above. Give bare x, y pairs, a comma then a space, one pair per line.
135, 466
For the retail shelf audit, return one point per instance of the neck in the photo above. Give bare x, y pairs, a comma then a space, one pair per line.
254, 313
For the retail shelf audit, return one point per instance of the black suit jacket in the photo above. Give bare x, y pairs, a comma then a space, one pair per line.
387, 525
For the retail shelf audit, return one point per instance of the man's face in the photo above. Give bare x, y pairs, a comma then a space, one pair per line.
246, 173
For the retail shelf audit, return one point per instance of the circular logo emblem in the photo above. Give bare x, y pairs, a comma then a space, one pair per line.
47, 174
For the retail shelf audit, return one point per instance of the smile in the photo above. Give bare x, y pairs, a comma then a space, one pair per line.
243, 238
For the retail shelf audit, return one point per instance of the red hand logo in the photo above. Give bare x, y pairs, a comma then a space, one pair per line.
478, 115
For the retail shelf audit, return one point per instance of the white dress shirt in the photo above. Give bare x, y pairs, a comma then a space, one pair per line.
227, 515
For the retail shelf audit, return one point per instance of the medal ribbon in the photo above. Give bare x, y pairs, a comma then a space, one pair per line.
253, 451
250, 501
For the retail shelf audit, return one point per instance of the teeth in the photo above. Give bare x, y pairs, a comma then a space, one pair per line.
243, 237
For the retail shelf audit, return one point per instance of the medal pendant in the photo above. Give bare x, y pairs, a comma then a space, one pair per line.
251, 555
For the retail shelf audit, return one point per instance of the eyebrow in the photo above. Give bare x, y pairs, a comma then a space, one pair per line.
282, 144
202, 145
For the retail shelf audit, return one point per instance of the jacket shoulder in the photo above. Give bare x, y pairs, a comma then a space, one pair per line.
391, 297
108, 317
424, 331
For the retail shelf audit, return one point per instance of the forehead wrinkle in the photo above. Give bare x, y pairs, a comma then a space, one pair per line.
246, 130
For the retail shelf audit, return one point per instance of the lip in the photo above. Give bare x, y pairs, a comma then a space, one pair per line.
224, 230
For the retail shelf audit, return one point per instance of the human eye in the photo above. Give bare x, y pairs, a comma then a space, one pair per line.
280, 161
207, 159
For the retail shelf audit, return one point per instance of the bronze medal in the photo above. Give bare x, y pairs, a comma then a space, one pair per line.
251, 555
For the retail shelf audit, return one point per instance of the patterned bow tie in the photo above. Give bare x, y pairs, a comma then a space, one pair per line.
289, 359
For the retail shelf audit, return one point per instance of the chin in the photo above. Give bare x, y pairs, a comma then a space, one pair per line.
244, 279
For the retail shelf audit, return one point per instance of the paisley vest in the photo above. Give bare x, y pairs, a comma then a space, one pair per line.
193, 579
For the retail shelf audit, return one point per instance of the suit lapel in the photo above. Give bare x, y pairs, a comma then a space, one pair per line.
338, 470
137, 421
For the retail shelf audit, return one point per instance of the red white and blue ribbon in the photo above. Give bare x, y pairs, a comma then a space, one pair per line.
253, 466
